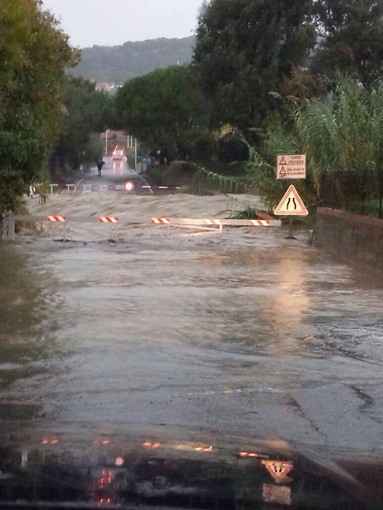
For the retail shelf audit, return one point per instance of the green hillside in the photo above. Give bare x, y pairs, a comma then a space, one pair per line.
120, 63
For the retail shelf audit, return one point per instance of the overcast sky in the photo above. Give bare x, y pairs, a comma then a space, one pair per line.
113, 22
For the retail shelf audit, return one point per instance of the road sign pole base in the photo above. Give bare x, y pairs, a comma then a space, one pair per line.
290, 236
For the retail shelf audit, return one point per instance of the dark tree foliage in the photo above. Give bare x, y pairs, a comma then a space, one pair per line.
350, 38
165, 109
244, 48
33, 55
86, 113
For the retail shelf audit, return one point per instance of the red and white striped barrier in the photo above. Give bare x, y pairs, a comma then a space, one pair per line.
211, 224
108, 219
217, 221
160, 220
185, 221
212, 221
56, 218
260, 223
208, 224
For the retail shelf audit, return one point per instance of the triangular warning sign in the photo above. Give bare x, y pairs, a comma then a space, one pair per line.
282, 172
282, 161
291, 204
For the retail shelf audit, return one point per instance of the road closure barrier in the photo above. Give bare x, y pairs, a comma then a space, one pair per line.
217, 221
10, 221
214, 225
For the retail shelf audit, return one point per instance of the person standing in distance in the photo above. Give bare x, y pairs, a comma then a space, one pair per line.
100, 164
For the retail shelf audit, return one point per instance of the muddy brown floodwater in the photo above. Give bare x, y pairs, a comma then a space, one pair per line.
240, 334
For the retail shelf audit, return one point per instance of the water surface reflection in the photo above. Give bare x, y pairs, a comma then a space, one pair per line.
27, 328
204, 333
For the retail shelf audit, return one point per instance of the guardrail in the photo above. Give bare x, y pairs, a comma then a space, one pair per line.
88, 188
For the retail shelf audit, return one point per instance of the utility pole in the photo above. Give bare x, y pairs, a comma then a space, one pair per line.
106, 142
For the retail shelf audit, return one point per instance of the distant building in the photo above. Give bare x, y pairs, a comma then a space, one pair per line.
111, 134
110, 88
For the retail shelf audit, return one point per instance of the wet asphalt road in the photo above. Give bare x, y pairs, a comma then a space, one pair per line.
115, 171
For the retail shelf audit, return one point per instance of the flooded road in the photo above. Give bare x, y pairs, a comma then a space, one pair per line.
243, 334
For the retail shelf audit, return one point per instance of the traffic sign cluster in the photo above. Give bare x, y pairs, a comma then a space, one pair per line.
291, 166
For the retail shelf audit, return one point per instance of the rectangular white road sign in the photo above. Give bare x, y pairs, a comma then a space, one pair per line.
291, 166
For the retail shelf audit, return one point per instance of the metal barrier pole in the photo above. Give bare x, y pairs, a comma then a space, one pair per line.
9, 228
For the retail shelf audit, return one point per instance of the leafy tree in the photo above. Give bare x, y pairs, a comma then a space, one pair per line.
350, 37
33, 54
86, 112
253, 55
165, 109
243, 50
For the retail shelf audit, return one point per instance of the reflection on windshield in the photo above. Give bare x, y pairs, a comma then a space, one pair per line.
173, 474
